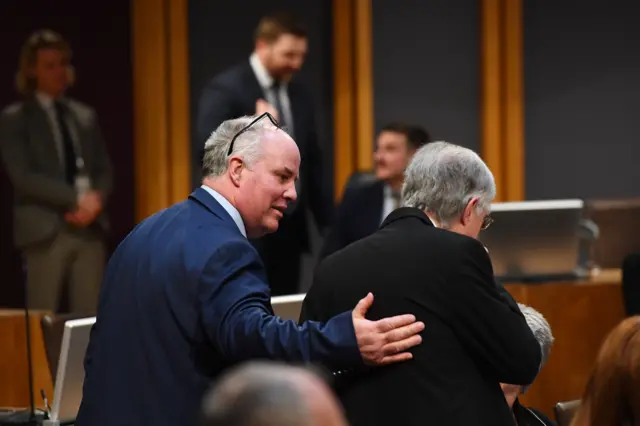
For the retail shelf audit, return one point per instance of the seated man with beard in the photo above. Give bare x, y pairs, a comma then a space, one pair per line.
425, 259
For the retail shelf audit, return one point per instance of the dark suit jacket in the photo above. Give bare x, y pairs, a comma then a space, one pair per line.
473, 338
530, 416
184, 297
42, 194
233, 94
358, 215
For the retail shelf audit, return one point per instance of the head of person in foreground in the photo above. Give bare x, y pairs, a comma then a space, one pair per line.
270, 394
253, 164
542, 332
452, 185
612, 395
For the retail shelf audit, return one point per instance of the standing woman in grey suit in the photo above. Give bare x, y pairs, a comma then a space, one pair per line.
56, 160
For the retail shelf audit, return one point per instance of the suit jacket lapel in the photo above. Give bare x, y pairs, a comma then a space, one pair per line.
376, 206
203, 197
39, 127
253, 86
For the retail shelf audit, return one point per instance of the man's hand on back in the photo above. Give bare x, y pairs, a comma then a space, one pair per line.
387, 340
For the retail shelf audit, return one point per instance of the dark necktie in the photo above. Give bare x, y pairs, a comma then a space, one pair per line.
278, 104
70, 166
283, 123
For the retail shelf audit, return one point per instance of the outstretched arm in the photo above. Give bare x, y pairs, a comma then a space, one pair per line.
237, 312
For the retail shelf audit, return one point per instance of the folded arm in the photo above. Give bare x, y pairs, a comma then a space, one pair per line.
490, 326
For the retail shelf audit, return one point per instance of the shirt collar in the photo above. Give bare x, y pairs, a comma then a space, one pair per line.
265, 80
233, 212
45, 100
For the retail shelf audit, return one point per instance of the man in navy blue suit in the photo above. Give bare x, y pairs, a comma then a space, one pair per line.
185, 295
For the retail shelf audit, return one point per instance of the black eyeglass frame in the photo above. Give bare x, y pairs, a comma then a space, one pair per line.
248, 126
486, 222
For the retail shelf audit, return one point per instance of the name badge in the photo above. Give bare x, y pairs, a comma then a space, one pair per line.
83, 184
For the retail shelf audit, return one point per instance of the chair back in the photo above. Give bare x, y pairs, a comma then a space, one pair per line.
52, 330
565, 412
631, 284
360, 178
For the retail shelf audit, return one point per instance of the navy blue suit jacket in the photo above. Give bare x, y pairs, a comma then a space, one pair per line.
358, 215
184, 297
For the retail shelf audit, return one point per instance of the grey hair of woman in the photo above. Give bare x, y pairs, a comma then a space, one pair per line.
542, 332
442, 178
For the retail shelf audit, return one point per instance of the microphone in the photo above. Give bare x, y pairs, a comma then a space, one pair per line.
27, 417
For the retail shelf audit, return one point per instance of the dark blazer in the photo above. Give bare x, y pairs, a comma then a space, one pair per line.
41, 192
358, 215
233, 94
474, 338
526, 416
184, 297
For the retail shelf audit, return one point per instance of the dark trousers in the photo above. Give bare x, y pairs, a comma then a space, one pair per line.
281, 253
283, 270
631, 284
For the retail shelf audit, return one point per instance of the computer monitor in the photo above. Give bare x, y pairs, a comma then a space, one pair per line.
67, 394
618, 222
535, 240
288, 307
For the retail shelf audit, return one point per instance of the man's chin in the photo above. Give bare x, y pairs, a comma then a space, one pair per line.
271, 225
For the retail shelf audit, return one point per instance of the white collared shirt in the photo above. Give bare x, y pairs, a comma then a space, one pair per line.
47, 103
266, 83
387, 203
233, 212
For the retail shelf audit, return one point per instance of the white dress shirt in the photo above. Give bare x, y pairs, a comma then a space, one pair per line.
388, 203
47, 103
266, 83
233, 212
83, 182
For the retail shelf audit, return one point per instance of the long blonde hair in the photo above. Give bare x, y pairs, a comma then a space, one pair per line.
41, 39
612, 395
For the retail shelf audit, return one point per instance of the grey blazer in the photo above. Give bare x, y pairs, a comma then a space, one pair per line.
31, 160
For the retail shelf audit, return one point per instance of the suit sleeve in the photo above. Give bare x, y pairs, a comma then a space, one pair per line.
237, 313
29, 183
490, 327
215, 106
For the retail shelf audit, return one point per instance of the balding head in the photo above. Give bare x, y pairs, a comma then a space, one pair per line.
264, 394
253, 164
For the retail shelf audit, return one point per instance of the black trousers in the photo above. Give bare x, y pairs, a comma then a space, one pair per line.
631, 284
282, 260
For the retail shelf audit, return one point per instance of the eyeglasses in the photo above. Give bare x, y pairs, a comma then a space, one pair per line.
486, 222
266, 114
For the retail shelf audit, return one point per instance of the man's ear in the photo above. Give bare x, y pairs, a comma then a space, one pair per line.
468, 210
235, 170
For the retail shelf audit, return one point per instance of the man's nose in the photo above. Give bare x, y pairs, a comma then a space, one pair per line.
291, 194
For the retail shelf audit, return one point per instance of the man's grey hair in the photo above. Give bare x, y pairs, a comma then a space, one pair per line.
442, 178
258, 394
541, 330
215, 161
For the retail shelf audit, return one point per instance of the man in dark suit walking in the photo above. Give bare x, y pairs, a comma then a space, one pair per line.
58, 165
185, 295
365, 204
426, 259
261, 84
